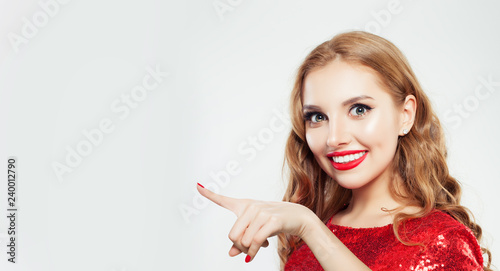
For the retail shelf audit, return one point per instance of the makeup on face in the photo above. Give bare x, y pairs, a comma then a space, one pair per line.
352, 123
346, 160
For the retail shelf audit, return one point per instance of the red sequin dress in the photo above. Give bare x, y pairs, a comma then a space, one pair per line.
449, 245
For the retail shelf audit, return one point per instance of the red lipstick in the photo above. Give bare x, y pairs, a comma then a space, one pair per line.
350, 165
342, 153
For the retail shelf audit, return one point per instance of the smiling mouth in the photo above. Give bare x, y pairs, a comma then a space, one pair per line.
347, 158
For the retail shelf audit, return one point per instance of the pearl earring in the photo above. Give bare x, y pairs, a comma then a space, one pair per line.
405, 131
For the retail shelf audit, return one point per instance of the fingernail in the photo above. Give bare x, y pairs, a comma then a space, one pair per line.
201, 185
248, 258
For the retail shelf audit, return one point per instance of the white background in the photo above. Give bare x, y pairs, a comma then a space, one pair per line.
230, 73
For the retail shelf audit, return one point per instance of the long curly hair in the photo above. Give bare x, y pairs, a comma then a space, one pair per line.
420, 159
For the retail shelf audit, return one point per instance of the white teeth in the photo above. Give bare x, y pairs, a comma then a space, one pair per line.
347, 158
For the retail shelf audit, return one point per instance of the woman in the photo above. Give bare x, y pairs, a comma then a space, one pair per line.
369, 185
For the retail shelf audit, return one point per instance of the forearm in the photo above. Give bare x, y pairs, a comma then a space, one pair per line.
329, 250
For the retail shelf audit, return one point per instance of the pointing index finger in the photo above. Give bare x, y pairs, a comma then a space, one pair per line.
229, 203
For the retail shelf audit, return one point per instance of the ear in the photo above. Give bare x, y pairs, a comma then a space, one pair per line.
408, 114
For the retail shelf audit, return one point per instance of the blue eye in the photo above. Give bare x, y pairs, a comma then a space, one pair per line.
314, 117
359, 110
317, 118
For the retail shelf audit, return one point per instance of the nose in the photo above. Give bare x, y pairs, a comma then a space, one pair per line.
338, 134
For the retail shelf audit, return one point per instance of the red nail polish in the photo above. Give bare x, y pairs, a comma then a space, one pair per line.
201, 185
248, 258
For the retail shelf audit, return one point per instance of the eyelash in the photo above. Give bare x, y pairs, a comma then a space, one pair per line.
366, 107
308, 115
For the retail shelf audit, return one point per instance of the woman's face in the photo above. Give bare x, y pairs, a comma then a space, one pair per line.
352, 123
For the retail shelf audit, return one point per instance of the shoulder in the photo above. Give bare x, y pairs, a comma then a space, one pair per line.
447, 241
438, 223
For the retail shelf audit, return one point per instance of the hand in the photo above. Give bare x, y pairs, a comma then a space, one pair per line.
258, 220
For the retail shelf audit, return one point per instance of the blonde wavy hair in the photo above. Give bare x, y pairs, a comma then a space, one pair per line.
420, 158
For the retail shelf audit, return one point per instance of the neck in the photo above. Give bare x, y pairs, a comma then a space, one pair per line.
371, 200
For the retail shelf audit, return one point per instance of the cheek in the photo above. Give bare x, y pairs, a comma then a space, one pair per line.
315, 140
378, 131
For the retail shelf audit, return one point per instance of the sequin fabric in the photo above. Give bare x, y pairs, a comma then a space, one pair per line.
448, 245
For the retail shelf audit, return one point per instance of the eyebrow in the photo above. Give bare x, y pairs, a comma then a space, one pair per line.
309, 107
352, 100
355, 99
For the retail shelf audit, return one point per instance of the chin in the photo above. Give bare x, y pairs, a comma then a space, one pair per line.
350, 185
